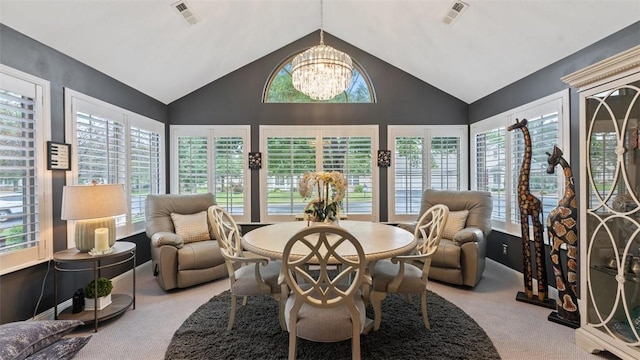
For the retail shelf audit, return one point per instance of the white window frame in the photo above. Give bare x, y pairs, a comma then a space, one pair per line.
211, 132
558, 101
75, 101
427, 133
21, 259
267, 131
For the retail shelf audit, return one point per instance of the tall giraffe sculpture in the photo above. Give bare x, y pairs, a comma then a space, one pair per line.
530, 206
562, 229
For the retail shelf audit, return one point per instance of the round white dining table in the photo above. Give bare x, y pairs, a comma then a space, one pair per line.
379, 241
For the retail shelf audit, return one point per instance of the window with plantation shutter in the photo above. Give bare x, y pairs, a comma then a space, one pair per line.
230, 164
193, 163
407, 166
213, 159
491, 170
25, 182
145, 168
424, 157
111, 145
100, 148
351, 156
287, 158
499, 155
445, 166
288, 152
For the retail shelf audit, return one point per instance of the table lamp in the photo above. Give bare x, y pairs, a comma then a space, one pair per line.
93, 206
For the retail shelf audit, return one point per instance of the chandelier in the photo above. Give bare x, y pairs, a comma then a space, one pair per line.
321, 72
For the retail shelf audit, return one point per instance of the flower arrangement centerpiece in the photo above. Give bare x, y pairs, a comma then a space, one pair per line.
331, 187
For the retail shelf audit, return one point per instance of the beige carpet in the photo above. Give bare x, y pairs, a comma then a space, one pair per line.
518, 330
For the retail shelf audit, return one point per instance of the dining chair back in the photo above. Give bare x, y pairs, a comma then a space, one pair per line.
248, 275
326, 302
400, 275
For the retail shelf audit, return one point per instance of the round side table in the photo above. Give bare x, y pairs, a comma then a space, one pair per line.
123, 252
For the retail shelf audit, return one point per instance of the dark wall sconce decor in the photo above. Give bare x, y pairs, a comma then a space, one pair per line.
384, 158
255, 160
59, 156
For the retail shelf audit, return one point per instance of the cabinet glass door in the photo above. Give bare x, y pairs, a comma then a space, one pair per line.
613, 211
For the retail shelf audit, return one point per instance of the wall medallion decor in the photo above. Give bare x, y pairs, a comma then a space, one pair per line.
384, 158
255, 160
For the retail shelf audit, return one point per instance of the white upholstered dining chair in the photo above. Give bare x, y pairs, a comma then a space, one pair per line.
400, 275
248, 275
325, 303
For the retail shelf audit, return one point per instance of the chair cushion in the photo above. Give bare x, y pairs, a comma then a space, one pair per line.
447, 255
325, 324
199, 255
246, 280
455, 223
192, 227
384, 271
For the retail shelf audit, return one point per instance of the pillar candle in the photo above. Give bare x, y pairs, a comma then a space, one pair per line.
102, 239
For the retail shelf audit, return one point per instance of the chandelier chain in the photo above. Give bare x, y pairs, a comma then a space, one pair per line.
321, 22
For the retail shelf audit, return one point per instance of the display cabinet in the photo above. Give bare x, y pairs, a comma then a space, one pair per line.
610, 205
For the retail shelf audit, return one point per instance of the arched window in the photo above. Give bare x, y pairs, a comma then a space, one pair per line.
279, 88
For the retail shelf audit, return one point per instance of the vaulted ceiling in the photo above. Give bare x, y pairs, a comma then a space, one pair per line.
149, 46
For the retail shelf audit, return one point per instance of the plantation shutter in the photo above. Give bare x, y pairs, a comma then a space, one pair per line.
192, 164
101, 150
19, 210
409, 176
491, 168
144, 169
445, 163
287, 159
352, 157
229, 173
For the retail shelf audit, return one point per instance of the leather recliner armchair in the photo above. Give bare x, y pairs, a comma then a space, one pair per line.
460, 259
176, 263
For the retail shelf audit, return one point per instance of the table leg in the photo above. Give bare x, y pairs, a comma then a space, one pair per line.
96, 265
55, 291
134, 279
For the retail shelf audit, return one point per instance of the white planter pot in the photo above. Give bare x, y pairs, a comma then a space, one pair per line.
103, 302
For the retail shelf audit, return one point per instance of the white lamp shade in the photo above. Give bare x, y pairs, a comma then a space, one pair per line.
92, 201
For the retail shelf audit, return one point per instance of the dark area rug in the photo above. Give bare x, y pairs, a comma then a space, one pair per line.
256, 334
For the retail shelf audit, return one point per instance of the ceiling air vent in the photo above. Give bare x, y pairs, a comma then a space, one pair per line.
184, 9
455, 12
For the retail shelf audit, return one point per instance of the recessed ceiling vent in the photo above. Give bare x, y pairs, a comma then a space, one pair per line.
455, 12
184, 9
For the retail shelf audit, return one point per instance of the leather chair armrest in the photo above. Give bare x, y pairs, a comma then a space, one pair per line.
166, 238
473, 260
470, 234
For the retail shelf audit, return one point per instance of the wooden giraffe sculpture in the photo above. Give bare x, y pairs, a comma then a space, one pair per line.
530, 206
562, 229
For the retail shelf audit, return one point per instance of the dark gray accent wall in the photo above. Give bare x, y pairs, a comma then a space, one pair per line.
237, 99
537, 85
20, 290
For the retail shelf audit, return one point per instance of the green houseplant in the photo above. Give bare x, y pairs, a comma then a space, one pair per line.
104, 294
